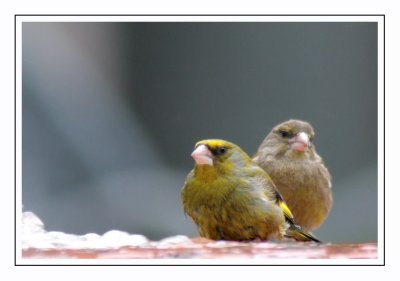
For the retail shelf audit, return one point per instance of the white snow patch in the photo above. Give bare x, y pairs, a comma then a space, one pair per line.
35, 236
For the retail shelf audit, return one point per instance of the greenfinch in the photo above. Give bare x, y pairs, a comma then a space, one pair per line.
229, 197
288, 155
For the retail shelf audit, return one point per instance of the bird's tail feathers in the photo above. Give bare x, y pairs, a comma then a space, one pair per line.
295, 231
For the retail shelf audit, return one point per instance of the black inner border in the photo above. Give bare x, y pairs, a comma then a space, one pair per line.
195, 15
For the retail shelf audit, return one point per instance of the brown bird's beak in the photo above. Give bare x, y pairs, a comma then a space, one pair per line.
202, 155
301, 142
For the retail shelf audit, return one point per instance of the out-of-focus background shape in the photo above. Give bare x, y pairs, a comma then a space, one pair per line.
111, 112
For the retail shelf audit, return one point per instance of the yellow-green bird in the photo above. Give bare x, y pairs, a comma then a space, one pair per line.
229, 197
288, 155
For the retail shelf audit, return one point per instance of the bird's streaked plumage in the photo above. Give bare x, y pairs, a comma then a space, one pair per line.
288, 155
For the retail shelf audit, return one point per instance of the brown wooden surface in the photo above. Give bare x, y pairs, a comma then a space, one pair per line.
198, 248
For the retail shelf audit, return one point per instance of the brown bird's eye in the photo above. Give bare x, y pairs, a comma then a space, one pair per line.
285, 134
220, 150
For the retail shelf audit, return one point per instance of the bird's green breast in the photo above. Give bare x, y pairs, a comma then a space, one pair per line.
230, 210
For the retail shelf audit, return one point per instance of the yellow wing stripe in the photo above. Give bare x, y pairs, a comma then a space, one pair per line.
286, 211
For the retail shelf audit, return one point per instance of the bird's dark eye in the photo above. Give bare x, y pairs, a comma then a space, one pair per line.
285, 134
220, 150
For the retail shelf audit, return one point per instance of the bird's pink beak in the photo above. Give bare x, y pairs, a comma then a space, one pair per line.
202, 155
301, 142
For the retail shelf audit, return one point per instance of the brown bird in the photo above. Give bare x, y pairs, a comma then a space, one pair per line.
288, 155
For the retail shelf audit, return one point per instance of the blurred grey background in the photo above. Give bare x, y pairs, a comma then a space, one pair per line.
111, 112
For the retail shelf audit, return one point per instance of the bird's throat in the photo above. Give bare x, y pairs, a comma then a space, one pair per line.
205, 173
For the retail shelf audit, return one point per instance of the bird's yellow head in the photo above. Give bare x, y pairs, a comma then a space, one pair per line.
219, 154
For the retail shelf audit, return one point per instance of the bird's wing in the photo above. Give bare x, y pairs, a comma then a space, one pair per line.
271, 188
282, 204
